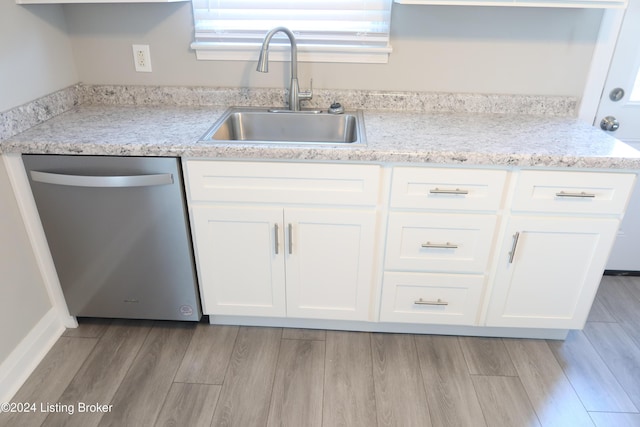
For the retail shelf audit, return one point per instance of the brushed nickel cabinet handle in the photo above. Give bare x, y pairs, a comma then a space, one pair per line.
513, 247
446, 191
440, 245
290, 238
277, 238
581, 194
423, 302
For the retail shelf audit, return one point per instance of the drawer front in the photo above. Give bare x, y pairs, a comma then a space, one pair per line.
449, 299
450, 189
573, 192
439, 242
272, 182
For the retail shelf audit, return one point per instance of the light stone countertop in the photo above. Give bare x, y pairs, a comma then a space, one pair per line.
414, 137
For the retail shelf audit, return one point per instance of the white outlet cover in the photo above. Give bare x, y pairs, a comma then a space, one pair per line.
142, 58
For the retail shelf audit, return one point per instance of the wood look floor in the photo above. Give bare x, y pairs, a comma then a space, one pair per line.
172, 374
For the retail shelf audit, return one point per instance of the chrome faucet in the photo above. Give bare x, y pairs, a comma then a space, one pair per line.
263, 66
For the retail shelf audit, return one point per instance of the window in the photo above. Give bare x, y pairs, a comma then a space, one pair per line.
325, 30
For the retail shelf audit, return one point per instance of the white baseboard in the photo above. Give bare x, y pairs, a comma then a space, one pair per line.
24, 359
399, 328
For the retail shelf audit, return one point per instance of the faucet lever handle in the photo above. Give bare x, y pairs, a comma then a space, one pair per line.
308, 94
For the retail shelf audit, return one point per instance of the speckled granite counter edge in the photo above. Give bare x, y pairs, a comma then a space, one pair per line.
30, 114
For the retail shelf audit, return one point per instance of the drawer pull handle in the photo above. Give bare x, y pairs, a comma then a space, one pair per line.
440, 245
423, 302
581, 194
512, 254
277, 239
445, 191
290, 239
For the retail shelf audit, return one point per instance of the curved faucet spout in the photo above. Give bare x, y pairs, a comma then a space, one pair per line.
263, 66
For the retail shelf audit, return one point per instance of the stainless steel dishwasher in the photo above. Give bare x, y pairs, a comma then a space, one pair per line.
118, 233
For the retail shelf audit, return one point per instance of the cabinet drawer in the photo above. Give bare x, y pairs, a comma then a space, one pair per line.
452, 299
272, 182
439, 242
573, 192
435, 188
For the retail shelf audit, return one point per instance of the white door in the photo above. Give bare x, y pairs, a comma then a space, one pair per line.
329, 262
240, 258
549, 271
621, 100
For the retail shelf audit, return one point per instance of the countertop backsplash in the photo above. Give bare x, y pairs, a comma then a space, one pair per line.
28, 115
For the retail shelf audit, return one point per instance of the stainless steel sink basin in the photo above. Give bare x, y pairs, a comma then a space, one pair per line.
271, 126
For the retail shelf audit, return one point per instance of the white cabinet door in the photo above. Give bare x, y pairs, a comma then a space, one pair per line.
549, 271
329, 262
240, 258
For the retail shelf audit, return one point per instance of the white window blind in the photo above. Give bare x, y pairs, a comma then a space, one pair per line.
325, 30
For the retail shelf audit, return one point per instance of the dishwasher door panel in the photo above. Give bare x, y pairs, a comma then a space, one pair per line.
118, 235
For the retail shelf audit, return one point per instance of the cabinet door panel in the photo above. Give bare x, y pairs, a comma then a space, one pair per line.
554, 272
240, 271
329, 263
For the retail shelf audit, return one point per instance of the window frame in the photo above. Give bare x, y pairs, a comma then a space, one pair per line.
214, 47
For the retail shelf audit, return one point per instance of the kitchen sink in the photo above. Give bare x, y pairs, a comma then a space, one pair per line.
278, 126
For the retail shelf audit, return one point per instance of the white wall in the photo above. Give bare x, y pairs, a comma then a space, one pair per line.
436, 48
35, 60
35, 53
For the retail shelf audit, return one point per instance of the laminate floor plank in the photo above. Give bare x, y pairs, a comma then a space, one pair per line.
47, 383
208, 355
189, 405
304, 334
622, 304
296, 399
246, 393
139, 398
599, 312
610, 419
102, 373
632, 283
349, 396
88, 328
487, 356
450, 392
596, 386
620, 353
504, 402
400, 392
550, 392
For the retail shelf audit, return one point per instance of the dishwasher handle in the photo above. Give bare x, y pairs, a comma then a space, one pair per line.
102, 181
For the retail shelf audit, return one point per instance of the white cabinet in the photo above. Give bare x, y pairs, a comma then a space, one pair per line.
329, 262
462, 247
241, 273
440, 235
435, 298
549, 271
555, 247
278, 239
443, 242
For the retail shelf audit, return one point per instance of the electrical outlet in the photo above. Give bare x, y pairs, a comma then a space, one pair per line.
142, 58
